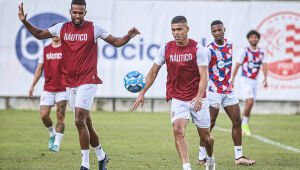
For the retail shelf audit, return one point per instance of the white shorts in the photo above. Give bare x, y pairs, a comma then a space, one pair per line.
82, 96
218, 100
248, 88
50, 98
184, 109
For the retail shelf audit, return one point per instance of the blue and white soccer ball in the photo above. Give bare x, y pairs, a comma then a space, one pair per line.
134, 81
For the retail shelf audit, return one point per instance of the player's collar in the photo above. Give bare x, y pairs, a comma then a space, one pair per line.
253, 50
56, 46
220, 45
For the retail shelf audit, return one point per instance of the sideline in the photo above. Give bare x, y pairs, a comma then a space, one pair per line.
265, 140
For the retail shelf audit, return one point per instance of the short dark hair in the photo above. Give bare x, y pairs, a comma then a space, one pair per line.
216, 22
253, 32
78, 2
179, 19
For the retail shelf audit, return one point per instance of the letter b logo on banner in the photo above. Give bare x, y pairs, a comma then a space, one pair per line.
28, 48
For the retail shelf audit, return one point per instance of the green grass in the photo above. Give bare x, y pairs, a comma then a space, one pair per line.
141, 141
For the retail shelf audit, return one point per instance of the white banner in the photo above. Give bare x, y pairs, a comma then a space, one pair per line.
278, 22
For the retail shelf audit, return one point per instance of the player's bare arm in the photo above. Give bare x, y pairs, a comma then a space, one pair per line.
37, 75
265, 70
203, 71
120, 41
150, 78
236, 68
36, 32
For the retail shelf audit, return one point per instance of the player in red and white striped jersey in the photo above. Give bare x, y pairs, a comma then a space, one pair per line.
251, 59
220, 92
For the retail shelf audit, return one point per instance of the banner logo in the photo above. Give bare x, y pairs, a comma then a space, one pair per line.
28, 48
280, 37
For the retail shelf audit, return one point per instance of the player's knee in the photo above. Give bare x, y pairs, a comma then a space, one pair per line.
89, 123
80, 118
80, 123
237, 123
179, 132
44, 116
60, 112
60, 115
205, 140
61, 119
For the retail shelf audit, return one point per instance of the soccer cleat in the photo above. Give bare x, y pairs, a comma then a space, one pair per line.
210, 164
245, 130
103, 163
202, 162
55, 148
244, 161
51, 142
83, 168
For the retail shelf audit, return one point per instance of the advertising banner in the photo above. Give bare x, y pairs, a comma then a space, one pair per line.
278, 23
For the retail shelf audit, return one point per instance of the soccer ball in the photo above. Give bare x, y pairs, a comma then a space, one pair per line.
134, 81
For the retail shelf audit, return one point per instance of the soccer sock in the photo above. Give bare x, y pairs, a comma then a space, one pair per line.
186, 166
58, 138
85, 158
245, 120
238, 152
99, 152
202, 153
210, 159
51, 131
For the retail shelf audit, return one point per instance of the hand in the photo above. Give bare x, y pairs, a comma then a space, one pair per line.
197, 103
31, 92
22, 17
265, 83
139, 100
133, 32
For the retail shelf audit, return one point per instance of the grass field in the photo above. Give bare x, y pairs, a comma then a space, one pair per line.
141, 141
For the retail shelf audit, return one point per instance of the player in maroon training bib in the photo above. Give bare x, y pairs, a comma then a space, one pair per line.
251, 59
80, 48
79, 45
54, 92
186, 62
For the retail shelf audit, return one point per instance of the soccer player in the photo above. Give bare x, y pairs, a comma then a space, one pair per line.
79, 46
54, 91
251, 59
220, 92
187, 79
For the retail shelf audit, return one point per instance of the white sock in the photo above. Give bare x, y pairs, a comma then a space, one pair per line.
99, 152
85, 158
238, 152
51, 131
210, 159
245, 120
58, 139
186, 166
202, 153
